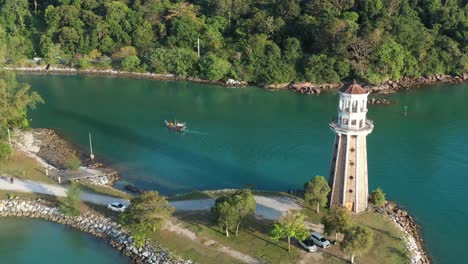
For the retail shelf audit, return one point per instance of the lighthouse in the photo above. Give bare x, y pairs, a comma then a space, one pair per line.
348, 169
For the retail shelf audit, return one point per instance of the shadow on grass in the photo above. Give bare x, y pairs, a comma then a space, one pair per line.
384, 232
250, 226
400, 253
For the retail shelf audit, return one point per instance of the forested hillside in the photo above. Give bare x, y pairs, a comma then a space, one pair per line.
260, 41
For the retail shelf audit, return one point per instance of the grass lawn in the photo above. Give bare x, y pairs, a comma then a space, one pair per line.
195, 195
27, 196
20, 166
190, 249
102, 189
253, 239
388, 244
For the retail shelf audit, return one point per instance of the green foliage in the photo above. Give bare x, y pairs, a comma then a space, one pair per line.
357, 241
15, 100
265, 42
147, 212
131, 63
231, 209
377, 197
290, 225
316, 192
5, 150
213, 68
337, 219
72, 162
70, 204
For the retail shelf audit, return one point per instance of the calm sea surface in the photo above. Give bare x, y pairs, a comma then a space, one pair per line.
271, 140
27, 241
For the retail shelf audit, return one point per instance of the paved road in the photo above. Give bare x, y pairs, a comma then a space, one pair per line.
20, 185
268, 207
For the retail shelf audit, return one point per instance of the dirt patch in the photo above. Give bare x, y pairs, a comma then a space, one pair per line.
54, 149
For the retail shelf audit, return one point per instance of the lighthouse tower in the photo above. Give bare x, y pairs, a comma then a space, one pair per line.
348, 170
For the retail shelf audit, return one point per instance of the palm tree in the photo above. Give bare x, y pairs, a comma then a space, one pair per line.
182, 9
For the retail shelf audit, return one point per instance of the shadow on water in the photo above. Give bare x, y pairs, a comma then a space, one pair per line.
210, 166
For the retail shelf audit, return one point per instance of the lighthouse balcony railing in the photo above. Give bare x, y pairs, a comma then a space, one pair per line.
369, 125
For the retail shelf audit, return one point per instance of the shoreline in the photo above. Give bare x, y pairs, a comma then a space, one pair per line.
305, 88
406, 223
413, 240
97, 226
127, 74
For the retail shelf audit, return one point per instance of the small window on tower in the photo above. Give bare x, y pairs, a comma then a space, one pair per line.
350, 191
353, 122
351, 177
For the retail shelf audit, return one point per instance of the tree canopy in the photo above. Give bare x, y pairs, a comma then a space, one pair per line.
148, 212
270, 41
337, 219
377, 197
290, 225
357, 241
316, 192
231, 209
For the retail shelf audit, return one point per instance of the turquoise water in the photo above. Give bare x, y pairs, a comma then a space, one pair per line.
271, 140
26, 241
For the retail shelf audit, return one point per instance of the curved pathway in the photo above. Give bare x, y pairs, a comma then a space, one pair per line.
21, 185
268, 207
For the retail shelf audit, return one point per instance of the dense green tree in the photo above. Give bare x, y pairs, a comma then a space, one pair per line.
147, 212
337, 220
5, 150
377, 197
214, 68
231, 209
357, 241
290, 225
70, 204
15, 100
226, 214
316, 192
268, 41
130, 63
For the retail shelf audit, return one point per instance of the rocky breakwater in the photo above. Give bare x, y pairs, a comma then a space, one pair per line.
407, 83
413, 240
382, 101
309, 88
97, 226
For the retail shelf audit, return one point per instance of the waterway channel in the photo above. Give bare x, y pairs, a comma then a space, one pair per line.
271, 140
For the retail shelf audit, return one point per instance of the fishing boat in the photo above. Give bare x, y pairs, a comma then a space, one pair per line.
178, 126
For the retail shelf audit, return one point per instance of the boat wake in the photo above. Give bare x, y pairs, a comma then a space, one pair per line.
196, 132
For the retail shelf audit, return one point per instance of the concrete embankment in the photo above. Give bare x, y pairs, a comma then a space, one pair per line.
100, 227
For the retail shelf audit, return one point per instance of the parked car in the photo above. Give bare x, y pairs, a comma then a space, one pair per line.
118, 207
308, 244
319, 240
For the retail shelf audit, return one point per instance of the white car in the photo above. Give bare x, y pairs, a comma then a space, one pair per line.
118, 207
319, 240
308, 244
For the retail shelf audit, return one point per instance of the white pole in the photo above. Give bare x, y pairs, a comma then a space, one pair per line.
91, 147
198, 45
9, 137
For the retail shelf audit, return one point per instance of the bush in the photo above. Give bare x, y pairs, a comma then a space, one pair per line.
130, 63
70, 204
377, 197
213, 68
5, 150
72, 163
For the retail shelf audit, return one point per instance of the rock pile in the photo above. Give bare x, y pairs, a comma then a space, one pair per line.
98, 226
378, 101
409, 227
406, 83
309, 88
